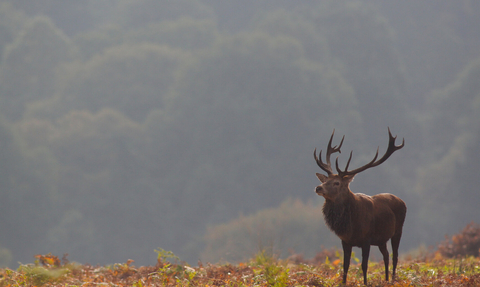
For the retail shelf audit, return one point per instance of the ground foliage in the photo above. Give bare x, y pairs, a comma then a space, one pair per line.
465, 243
262, 270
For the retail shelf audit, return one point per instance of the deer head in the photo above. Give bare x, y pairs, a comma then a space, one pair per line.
334, 185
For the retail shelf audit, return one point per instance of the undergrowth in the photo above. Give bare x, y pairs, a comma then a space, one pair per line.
261, 270
453, 264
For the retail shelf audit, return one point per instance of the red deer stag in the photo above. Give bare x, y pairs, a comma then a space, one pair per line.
358, 219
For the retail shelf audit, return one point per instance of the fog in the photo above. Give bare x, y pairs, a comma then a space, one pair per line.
189, 125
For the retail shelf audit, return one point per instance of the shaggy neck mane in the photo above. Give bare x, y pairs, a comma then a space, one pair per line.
337, 216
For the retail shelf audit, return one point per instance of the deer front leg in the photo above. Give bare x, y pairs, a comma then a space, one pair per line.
365, 255
347, 253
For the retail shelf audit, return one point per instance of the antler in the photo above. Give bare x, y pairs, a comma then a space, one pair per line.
390, 150
328, 166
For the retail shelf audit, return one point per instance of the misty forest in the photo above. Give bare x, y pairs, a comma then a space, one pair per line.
190, 125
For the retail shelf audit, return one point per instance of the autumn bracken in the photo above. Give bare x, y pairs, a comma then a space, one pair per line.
262, 270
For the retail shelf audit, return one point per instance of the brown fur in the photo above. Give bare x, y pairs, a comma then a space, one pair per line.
357, 219
361, 220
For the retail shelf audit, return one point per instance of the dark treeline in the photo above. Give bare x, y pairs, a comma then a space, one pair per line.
136, 124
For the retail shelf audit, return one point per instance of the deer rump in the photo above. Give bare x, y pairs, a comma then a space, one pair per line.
371, 220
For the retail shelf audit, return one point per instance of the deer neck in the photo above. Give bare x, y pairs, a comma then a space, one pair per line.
338, 215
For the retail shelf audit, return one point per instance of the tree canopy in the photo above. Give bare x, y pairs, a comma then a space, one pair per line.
131, 125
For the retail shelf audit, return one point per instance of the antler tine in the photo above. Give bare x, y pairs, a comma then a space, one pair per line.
391, 141
334, 149
390, 150
328, 166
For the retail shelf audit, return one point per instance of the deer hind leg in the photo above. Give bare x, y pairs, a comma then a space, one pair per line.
365, 255
395, 245
384, 251
347, 253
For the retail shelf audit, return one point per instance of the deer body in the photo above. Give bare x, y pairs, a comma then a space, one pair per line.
357, 219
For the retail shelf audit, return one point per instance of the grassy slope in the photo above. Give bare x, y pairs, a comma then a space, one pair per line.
48, 270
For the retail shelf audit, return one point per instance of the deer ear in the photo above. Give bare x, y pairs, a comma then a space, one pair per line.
349, 178
321, 177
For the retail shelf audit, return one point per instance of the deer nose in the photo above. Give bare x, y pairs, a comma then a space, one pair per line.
319, 190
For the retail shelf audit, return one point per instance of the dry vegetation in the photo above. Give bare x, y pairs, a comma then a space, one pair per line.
261, 271
454, 263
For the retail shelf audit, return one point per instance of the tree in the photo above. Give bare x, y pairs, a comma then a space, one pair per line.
238, 15
294, 25
130, 78
293, 226
11, 23
134, 14
73, 17
435, 40
184, 33
27, 196
240, 125
105, 198
448, 183
29, 65
460, 99
363, 44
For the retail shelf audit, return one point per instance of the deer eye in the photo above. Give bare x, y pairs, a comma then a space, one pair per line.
336, 183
